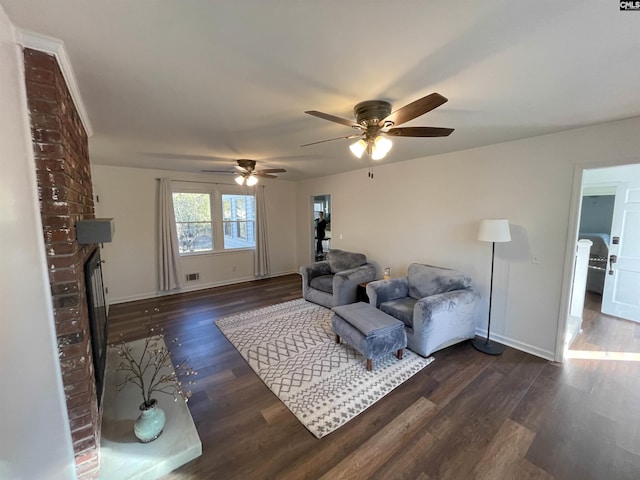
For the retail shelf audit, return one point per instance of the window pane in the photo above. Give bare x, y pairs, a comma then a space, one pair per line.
239, 213
192, 207
241, 210
194, 237
226, 207
193, 221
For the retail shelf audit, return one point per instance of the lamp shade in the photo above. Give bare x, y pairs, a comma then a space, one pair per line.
252, 180
381, 146
494, 230
358, 148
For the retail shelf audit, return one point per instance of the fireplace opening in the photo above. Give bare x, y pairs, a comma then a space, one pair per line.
98, 323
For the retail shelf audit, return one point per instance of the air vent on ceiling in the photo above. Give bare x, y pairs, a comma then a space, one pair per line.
192, 276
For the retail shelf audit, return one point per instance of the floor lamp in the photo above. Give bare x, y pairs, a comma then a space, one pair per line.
492, 230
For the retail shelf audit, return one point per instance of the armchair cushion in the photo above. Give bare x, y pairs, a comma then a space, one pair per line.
324, 283
402, 309
340, 260
427, 280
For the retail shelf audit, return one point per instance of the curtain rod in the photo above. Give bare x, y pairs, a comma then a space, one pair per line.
211, 183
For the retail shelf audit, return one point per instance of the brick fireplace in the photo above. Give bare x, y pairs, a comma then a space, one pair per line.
60, 146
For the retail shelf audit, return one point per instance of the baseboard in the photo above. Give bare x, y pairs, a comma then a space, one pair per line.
525, 347
191, 288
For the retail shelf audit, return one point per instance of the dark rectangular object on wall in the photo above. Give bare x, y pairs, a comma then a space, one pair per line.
98, 323
95, 230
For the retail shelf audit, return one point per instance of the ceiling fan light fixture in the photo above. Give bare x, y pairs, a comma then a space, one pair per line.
375, 119
246, 173
381, 146
358, 148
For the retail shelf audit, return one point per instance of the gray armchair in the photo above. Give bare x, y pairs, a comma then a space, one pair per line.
334, 281
437, 306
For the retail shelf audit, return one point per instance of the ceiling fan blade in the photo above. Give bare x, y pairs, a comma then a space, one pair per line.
415, 109
264, 175
216, 171
272, 170
333, 118
420, 132
331, 139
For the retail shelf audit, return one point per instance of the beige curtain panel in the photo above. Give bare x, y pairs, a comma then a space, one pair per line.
169, 268
261, 258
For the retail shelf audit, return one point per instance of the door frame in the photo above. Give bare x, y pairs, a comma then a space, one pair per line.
328, 215
575, 207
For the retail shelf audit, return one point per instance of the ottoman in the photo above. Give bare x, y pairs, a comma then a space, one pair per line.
370, 331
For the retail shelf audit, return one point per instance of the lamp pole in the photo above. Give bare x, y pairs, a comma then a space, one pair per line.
492, 230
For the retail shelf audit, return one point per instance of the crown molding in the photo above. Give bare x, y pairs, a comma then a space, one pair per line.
56, 47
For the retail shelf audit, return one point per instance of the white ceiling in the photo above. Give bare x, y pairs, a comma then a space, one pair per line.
195, 85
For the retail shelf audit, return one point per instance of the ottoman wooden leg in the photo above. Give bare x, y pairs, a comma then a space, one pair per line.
369, 364
337, 338
399, 354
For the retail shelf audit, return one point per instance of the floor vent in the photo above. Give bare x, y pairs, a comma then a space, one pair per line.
193, 276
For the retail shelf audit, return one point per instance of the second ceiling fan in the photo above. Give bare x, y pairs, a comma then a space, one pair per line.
246, 172
375, 122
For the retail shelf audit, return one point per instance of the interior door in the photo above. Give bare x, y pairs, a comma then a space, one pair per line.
621, 294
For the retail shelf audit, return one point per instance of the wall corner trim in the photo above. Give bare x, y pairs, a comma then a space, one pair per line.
56, 47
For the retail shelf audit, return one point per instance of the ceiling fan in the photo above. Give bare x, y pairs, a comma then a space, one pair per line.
246, 172
375, 122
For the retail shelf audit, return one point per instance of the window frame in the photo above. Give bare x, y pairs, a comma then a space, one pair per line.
215, 191
238, 222
210, 222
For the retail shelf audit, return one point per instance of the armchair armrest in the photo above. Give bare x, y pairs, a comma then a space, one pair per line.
309, 272
382, 291
345, 283
452, 311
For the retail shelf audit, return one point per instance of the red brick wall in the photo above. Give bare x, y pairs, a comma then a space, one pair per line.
65, 192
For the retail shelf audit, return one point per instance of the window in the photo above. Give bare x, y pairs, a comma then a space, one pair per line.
210, 221
239, 221
193, 221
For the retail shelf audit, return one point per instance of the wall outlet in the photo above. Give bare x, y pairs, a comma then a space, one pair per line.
233, 269
340, 236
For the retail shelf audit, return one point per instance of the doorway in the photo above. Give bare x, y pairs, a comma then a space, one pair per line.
610, 219
321, 225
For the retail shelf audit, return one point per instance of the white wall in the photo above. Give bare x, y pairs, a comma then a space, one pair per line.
35, 441
428, 210
129, 196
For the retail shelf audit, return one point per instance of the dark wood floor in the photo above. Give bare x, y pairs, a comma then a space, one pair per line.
602, 333
466, 416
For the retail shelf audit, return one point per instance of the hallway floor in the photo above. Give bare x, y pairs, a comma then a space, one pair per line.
605, 334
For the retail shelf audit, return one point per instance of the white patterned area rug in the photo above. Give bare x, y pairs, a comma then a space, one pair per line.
292, 349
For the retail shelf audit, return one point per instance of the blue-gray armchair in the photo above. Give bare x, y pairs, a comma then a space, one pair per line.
437, 306
334, 281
